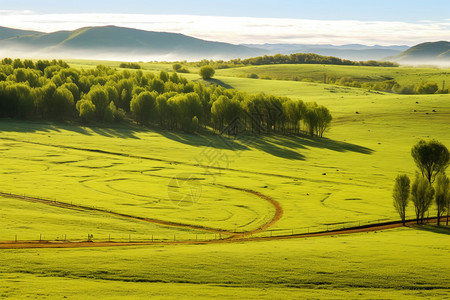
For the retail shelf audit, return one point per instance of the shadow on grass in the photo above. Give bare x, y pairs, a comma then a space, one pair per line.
220, 83
434, 228
288, 147
299, 142
113, 131
203, 140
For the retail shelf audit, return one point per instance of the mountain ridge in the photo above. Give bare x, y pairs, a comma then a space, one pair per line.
428, 52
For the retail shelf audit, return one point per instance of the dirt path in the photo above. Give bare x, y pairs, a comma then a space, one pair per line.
116, 214
278, 213
277, 216
234, 239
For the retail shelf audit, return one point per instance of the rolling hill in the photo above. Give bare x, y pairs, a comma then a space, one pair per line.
121, 43
6, 33
350, 51
432, 52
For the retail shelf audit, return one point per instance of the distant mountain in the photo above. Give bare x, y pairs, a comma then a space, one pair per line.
432, 52
350, 51
111, 42
6, 33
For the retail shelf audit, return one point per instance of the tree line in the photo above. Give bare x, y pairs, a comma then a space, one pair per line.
431, 183
391, 86
55, 91
296, 58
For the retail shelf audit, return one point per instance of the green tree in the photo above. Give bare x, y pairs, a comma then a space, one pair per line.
224, 110
422, 196
207, 72
86, 110
61, 104
401, 195
143, 107
323, 119
431, 157
442, 195
99, 97
311, 118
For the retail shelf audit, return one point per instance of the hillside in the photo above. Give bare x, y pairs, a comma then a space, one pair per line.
426, 52
6, 33
118, 42
350, 51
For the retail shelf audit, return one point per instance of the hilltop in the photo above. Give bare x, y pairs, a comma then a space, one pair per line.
426, 53
111, 41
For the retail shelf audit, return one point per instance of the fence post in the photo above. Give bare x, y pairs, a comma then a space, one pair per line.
16, 238
109, 238
129, 237
308, 229
65, 236
40, 237
327, 227
152, 238
174, 237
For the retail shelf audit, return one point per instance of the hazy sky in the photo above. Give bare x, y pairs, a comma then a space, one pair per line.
247, 21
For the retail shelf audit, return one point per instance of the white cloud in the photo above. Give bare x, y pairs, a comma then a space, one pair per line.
241, 29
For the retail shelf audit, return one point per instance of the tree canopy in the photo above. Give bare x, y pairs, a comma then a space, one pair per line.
54, 90
431, 157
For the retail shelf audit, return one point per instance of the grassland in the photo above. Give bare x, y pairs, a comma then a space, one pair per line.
343, 179
390, 265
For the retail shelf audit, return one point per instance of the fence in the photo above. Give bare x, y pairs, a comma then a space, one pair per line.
211, 237
185, 237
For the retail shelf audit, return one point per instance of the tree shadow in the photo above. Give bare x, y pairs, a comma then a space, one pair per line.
434, 228
303, 141
203, 140
220, 83
274, 144
274, 148
112, 131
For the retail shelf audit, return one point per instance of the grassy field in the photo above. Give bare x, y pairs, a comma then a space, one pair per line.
403, 75
342, 179
390, 265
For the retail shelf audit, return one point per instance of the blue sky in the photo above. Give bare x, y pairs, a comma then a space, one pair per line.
384, 22
368, 10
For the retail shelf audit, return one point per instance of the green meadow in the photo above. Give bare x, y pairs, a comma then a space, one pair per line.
340, 180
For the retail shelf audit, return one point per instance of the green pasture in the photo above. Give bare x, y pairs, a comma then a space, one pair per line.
313, 72
401, 263
344, 178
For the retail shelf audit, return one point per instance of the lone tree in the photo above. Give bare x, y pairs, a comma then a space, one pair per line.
442, 195
401, 195
207, 72
422, 196
431, 158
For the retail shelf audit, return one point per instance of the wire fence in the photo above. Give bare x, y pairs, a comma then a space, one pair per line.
209, 237
188, 237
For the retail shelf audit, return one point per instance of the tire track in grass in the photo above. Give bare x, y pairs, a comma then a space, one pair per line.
116, 214
182, 163
230, 234
236, 239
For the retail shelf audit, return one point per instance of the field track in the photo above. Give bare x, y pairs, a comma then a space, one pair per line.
278, 213
231, 236
120, 154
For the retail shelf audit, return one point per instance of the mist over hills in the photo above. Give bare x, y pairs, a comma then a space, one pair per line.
118, 43
128, 44
350, 51
426, 53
